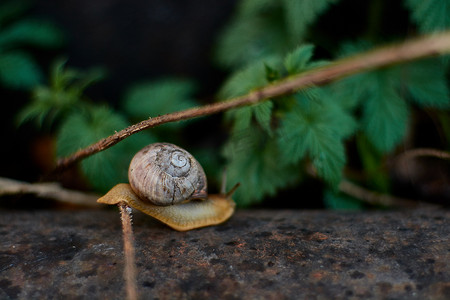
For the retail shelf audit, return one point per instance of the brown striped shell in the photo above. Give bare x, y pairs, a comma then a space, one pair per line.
165, 174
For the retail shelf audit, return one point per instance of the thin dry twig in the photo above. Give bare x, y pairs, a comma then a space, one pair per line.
411, 50
371, 197
130, 272
374, 198
421, 152
50, 190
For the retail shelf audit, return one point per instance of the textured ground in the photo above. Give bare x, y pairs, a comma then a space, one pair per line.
256, 255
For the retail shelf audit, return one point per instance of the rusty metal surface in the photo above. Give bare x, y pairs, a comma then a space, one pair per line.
256, 255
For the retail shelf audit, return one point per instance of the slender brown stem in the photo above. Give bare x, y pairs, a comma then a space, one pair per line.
371, 197
420, 152
48, 190
414, 49
129, 252
374, 198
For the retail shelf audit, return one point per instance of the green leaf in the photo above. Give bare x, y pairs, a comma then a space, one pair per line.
242, 117
263, 114
301, 13
160, 97
251, 77
297, 61
250, 39
385, 113
339, 201
328, 156
316, 129
427, 83
242, 82
65, 95
271, 73
18, 70
253, 160
109, 167
72, 81
31, 32
430, 15
385, 116
372, 161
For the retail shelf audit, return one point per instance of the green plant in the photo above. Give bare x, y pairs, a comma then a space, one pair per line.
18, 69
63, 108
273, 144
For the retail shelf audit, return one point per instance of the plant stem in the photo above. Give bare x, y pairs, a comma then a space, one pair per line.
129, 251
420, 152
48, 190
374, 198
432, 45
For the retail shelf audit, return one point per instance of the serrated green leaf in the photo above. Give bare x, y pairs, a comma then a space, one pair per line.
159, 97
31, 32
385, 117
18, 70
263, 115
253, 76
109, 167
242, 118
328, 157
301, 13
253, 161
349, 92
427, 83
317, 129
430, 15
242, 82
297, 61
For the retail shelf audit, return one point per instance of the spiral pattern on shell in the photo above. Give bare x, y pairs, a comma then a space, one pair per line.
166, 174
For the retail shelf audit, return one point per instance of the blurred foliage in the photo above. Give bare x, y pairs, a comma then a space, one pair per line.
62, 107
105, 169
261, 28
430, 15
159, 97
18, 69
272, 144
63, 95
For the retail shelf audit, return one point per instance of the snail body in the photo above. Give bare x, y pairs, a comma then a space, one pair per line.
168, 183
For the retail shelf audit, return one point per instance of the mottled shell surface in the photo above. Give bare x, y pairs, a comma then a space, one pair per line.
165, 174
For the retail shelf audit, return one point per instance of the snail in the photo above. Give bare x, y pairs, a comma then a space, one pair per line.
169, 184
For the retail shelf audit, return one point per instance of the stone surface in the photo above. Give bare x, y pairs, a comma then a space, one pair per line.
263, 254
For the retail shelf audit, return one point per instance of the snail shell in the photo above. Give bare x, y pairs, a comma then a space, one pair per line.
162, 186
166, 174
